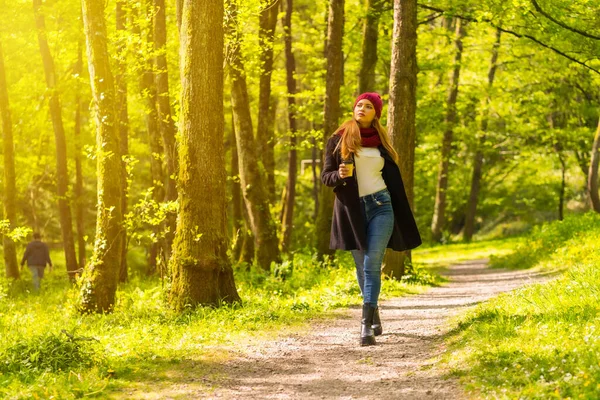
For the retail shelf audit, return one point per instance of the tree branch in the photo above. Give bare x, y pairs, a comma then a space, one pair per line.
557, 22
519, 35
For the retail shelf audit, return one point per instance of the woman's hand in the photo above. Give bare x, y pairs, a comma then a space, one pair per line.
343, 171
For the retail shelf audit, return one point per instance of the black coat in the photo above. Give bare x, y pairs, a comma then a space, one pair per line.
36, 254
348, 230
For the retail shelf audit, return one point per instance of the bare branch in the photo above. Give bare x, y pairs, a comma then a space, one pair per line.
557, 22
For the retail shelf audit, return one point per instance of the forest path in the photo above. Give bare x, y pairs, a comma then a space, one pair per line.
326, 362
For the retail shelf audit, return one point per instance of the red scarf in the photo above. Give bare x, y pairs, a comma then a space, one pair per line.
369, 137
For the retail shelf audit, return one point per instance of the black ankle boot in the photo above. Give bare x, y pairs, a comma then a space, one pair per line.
377, 328
367, 336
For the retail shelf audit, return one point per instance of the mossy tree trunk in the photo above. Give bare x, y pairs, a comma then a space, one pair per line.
101, 275
335, 61
265, 125
122, 124
201, 273
402, 109
290, 188
62, 174
439, 211
8, 199
165, 119
366, 76
252, 173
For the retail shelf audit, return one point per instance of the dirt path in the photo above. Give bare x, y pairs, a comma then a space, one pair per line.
327, 362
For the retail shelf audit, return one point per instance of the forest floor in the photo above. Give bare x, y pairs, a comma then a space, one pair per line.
326, 362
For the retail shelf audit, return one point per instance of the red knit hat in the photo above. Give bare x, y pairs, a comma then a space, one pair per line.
374, 98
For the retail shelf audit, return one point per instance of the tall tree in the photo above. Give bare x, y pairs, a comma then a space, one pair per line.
366, 76
165, 117
62, 174
290, 189
252, 175
101, 275
265, 134
122, 122
201, 273
593, 174
478, 158
9, 199
78, 188
439, 212
335, 32
148, 92
402, 108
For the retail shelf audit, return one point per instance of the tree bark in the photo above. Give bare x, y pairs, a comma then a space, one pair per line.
78, 189
593, 174
366, 77
265, 134
148, 92
201, 274
62, 174
335, 30
563, 185
252, 176
165, 117
290, 189
478, 159
101, 275
439, 212
402, 109
123, 126
10, 191
236, 199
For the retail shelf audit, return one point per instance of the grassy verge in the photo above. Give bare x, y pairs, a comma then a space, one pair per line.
49, 350
542, 341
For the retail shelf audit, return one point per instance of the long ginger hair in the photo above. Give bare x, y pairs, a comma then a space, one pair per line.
350, 142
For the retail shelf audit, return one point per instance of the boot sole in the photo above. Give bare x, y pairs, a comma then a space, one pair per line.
367, 341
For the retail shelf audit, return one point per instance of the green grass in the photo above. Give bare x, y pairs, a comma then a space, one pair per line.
146, 346
541, 341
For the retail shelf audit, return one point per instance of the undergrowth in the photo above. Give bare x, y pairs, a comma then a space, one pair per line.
541, 341
49, 350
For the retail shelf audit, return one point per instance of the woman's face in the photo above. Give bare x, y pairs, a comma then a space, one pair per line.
364, 113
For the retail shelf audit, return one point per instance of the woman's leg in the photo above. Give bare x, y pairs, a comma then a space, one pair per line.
379, 231
359, 261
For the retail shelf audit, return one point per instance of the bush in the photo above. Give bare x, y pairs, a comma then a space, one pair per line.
32, 356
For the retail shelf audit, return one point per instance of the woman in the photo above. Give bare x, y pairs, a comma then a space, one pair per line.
371, 211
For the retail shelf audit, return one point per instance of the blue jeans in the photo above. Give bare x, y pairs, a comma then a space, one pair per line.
38, 273
379, 220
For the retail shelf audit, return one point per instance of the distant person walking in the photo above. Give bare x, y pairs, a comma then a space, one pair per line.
371, 210
37, 256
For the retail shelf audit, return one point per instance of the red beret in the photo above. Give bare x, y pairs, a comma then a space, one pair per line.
374, 98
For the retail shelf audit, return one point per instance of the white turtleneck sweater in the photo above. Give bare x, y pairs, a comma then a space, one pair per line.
369, 163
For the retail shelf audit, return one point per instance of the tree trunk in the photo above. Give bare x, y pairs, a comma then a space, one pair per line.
366, 77
290, 189
201, 274
439, 212
236, 199
315, 189
149, 95
78, 189
402, 109
179, 11
10, 191
265, 134
165, 117
123, 127
563, 185
251, 176
335, 30
593, 174
62, 175
101, 275
478, 159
